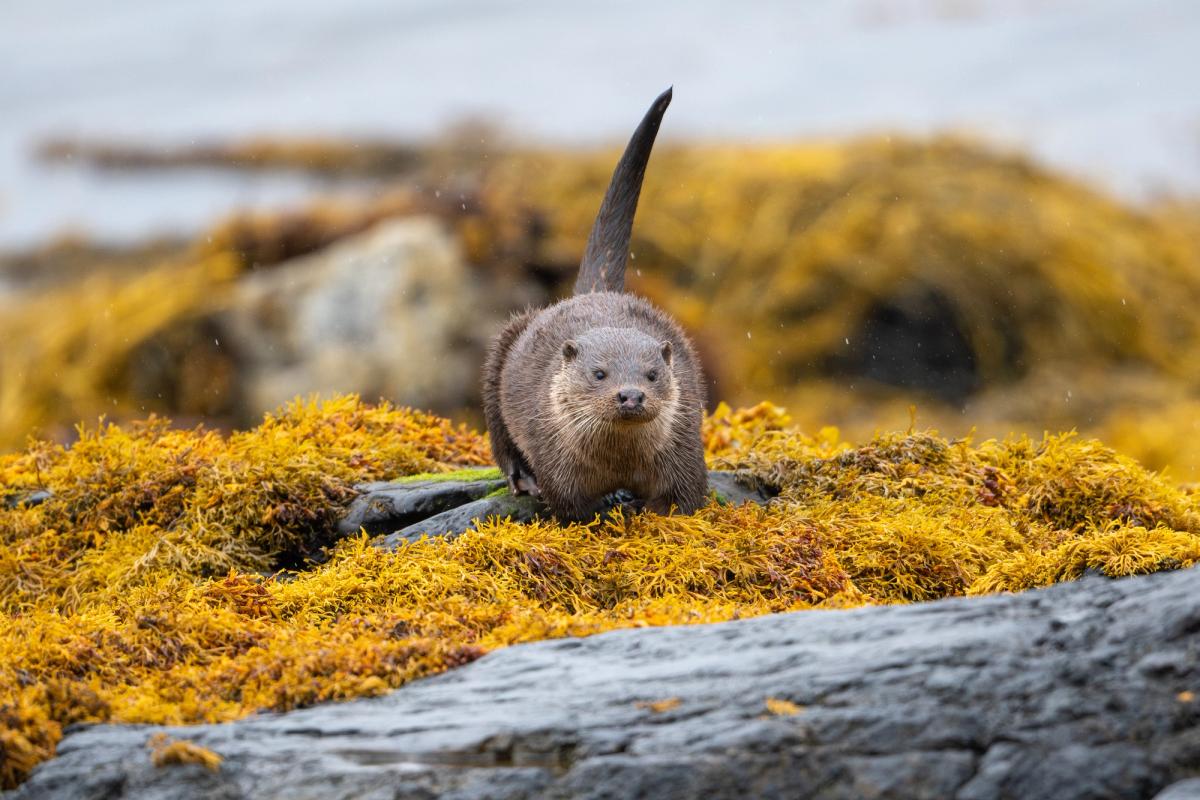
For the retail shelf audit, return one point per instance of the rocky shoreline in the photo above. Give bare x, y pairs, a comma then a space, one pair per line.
1081, 690
766, 651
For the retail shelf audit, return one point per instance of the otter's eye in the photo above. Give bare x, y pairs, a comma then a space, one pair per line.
652, 375
598, 374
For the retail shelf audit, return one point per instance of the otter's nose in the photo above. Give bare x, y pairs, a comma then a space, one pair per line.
631, 399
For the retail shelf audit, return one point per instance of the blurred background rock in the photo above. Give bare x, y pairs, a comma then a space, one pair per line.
981, 209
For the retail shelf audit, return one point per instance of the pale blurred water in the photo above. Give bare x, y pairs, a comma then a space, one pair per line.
1101, 88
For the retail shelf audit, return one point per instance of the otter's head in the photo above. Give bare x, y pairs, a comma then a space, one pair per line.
618, 375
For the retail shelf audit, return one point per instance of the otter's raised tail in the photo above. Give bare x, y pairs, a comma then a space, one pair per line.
603, 266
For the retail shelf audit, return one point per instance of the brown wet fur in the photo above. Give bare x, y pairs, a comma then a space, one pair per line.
600, 392
550, 421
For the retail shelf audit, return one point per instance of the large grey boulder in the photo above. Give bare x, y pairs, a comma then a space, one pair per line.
393, 312
1077, 691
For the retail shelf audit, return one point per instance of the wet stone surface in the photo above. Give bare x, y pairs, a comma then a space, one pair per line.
25, 499
406, 510
1076, 691
388, 507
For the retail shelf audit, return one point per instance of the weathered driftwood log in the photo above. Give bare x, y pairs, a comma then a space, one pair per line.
1083, 690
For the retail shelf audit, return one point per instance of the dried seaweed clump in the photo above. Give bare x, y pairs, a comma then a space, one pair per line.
727, 431
165, 751
916, 516
1162, 435
64, 347
183, 576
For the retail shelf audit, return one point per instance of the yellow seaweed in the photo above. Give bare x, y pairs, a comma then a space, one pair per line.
165, 751
183, 576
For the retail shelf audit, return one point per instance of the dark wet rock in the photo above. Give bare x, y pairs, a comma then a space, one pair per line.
409, 509
1046, 694
739, 487
915, 340
387, 507
26, 499
500, 505
454, 521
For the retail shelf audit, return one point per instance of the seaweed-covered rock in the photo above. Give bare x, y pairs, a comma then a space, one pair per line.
1084, 690
848, 280
933, 265
187, 576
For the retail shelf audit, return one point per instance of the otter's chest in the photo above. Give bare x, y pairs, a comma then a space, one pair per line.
629, 463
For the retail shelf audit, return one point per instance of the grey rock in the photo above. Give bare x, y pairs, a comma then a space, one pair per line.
408, 510
393, 312
26, 499
385, 507
739, 487
452, 522
1045, 694
449, 524
1184, 790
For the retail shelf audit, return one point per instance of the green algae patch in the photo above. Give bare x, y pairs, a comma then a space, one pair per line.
184, 576
481, 474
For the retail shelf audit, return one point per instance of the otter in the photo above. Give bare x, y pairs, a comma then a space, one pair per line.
600, 393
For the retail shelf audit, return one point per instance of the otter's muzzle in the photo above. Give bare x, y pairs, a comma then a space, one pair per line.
631, 402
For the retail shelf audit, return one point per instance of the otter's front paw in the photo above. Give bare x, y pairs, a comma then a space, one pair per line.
619, 498
521, 483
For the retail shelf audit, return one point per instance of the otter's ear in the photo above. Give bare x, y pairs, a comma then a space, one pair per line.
666, 352
570, 350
